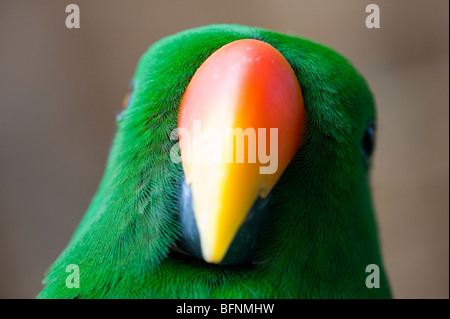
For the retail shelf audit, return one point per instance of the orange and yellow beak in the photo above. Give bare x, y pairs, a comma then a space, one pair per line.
241, 121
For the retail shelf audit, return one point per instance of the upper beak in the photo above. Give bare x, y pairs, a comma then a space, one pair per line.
241, 121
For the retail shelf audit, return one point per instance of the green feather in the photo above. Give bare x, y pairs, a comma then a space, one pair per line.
321, 234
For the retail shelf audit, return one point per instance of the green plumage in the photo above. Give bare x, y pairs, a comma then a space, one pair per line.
321, 234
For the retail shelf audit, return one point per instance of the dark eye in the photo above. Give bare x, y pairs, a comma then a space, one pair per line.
127, 98
125, 102
368, 142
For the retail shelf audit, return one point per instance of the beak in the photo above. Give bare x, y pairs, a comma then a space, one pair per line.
241, 121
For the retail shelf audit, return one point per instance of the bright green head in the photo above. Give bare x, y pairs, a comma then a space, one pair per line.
319, 232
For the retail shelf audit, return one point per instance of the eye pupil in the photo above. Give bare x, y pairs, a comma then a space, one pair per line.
368, 142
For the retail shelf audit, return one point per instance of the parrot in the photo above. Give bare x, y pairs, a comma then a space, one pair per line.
289, 218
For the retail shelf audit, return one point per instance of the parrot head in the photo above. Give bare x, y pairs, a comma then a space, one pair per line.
242, 156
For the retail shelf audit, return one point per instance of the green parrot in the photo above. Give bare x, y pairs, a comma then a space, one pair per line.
294, 220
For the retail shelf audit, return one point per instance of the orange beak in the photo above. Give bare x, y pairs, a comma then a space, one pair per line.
242, 119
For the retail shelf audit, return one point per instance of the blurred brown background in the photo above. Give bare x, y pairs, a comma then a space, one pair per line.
61, 88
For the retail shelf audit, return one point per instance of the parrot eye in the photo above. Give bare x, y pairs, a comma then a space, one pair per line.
368, 142
125, 102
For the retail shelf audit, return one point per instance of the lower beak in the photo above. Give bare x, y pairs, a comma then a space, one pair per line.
241, 121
